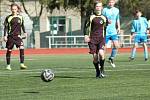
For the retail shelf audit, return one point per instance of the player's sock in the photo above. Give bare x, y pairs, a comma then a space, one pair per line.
97, 69
102, 67
8, 55
113, 52
133, 52
21, 55
146, 54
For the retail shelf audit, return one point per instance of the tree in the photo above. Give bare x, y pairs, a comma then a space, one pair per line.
26, 11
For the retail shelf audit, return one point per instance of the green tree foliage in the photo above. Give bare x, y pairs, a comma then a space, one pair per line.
128, 6
86, 6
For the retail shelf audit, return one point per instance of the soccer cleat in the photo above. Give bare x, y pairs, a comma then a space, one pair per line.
22, 66
8, 67
112, 62
102, 75
131, 59
146, 59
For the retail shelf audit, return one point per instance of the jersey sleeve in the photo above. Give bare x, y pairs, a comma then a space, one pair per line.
147, 23
132, 27
6, 24
23, 27
118, 16
86, 29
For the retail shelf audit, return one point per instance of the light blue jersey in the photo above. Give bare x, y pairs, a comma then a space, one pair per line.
139, 27
113, 15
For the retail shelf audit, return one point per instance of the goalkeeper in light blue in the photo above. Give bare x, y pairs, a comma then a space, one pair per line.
139, 29
112, 30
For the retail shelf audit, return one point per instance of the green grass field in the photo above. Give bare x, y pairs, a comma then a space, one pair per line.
75, 79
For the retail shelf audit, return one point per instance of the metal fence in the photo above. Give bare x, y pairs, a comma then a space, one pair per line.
78, 41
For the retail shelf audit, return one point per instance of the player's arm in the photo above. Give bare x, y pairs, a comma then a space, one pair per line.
6, 29
87, 30
132, 29
23, 29
118, 23
106, 24
148, 26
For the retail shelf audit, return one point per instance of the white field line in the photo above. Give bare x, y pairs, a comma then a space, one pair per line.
38, 71
16, 59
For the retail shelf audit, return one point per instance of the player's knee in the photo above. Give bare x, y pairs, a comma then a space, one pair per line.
102, 56
95, 58
144, 44
9, 50
135, 46
21, 47
116, 46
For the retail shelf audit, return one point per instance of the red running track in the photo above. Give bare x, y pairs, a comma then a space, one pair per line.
64, 51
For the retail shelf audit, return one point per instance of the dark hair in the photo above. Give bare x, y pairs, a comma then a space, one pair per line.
14, 4
96, 2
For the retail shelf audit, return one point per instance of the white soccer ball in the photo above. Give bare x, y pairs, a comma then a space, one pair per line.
47, 75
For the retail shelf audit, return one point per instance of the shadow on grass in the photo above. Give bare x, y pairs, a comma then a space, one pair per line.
31, 92
73, 77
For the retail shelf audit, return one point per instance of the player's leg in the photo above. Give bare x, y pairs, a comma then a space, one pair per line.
22, 66
93, 51
8, 56
133, 51
135, 45
114, 49
20, 45
145, 51
145, 47
9, 46
101, 62
115, 44
96, 64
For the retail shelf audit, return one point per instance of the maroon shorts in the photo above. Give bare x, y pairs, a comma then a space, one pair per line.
95, 46
13, 41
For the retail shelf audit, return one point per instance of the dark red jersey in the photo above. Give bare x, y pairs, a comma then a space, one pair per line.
13, 25
96, 24
97, 28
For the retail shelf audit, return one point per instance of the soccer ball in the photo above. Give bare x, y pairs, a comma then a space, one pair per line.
47, 75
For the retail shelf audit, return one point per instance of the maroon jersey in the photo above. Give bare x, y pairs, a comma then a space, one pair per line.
13, 25
95, 27
98, 26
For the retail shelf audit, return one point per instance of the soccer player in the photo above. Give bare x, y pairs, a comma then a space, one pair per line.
112, 30
139, 29
12, 35
94, 32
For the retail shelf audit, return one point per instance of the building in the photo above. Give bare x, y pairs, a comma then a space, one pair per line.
57, 23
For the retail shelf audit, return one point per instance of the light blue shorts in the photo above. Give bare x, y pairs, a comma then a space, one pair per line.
140, 39
111, 37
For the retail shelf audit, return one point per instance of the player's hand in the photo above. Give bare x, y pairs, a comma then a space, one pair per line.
109, 21
5, 38
148, 31
118, 30
86, 38
132, 36
25, 36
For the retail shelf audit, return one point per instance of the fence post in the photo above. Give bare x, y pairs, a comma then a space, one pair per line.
37, 39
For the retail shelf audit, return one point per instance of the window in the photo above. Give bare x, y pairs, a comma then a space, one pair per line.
36, 23
58, 23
